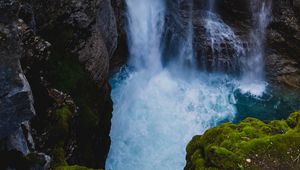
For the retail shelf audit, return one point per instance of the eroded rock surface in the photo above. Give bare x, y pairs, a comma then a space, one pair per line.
65, 48
16, 101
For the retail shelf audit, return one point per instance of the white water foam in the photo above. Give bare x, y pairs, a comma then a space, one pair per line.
156, 115
254, 88
219, 33
253, 80
158, 110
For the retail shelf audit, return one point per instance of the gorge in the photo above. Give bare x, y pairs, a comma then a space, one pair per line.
149, 84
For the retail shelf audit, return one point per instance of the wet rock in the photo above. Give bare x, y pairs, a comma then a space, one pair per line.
283, 70
95, 57
26, 13
282, 38
106, 21
282, 60
17, 142
9, 10
120, 56
213, 50
16, 101
69, 76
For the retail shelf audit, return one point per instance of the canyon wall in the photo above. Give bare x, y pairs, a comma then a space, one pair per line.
66, 49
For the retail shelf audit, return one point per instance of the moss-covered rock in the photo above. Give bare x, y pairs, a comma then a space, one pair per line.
59, 159
89, 125
252, 144
83, 37
75, 167
16, 160
62, 117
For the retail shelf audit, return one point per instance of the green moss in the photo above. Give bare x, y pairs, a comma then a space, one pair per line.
59, 161
75, 167
62, 118
252, 144
294, 120
223, 157
64, 72
58, 156
69, 76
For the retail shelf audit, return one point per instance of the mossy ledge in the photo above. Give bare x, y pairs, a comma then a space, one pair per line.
251, 144
75, 167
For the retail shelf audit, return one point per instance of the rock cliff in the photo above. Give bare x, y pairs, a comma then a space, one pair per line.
66, 49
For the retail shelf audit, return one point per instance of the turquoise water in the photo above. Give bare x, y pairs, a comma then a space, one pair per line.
156, 115
159, 106
274, 104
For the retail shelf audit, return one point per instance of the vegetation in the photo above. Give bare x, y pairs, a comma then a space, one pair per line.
57, 124
252, 144
73, 168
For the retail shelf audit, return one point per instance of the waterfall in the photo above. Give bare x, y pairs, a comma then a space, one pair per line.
211, 5
145, 27
186, 52
253, 77
261, 14
161, 99
159, 107
226, 47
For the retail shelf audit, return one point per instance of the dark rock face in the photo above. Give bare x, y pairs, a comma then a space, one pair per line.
16, 102
282, 37
18, 142
119, 58
86, 22
83, 36
66, 50
214, 51
283, 40
107, 23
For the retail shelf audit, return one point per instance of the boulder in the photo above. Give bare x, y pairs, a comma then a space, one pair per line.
251, 144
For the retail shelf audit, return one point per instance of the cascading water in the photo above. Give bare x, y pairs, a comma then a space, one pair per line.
211, 5
225, 45
186, 56
145, 22
157, 109
253, 74
159, 106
